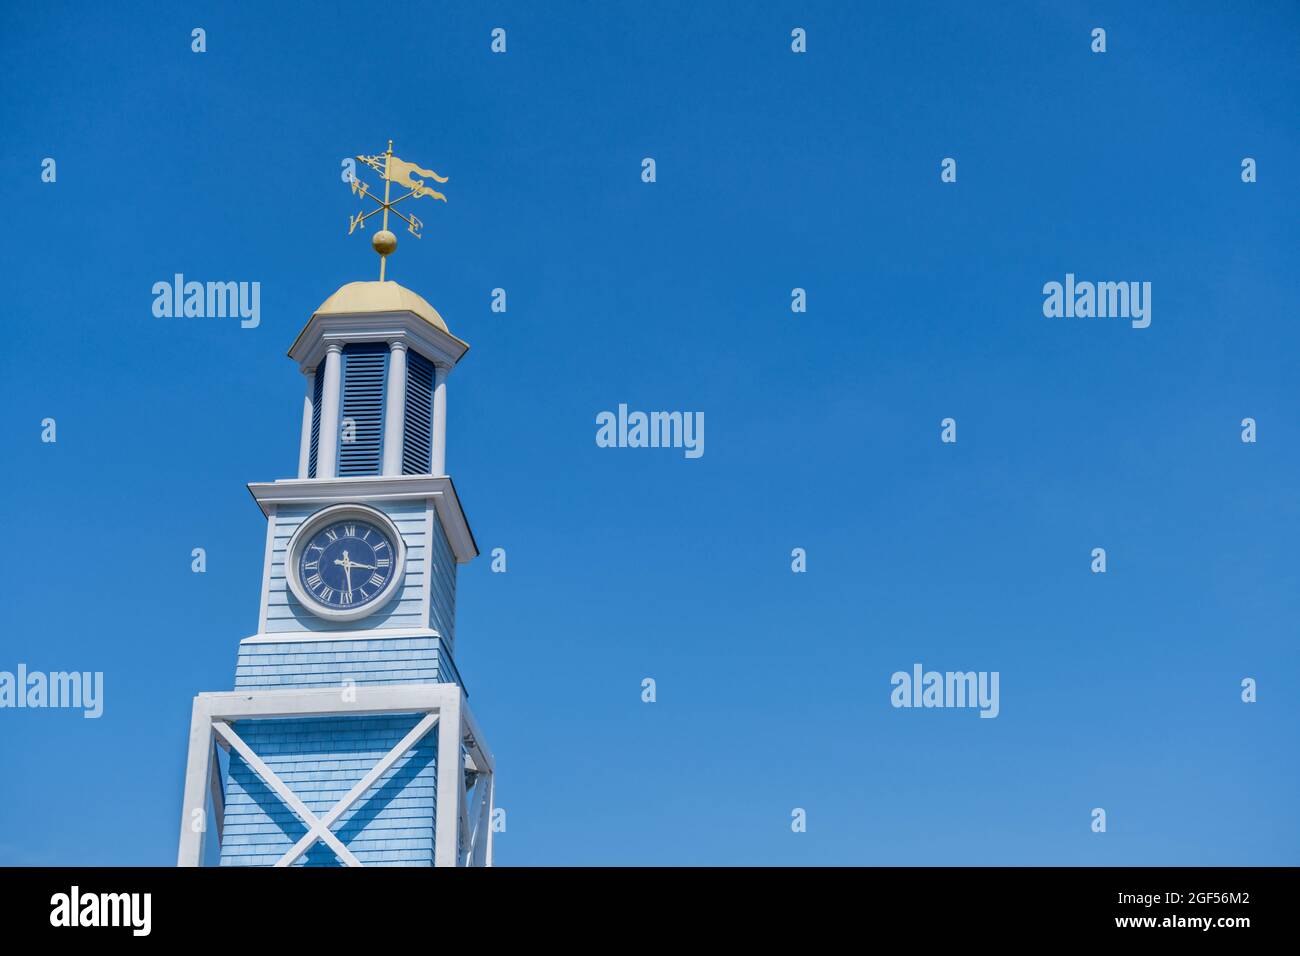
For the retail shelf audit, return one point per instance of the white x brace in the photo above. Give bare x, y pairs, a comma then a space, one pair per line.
457, 842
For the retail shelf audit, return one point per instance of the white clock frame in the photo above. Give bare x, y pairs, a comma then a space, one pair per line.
307, 530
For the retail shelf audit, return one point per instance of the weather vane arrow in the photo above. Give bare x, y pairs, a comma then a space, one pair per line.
393, 170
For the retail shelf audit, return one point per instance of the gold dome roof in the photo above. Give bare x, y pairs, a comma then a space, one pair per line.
358, 298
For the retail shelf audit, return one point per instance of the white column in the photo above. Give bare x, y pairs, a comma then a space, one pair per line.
395, 408
439, 466
304, 446
451, 783
194, 809
327, 454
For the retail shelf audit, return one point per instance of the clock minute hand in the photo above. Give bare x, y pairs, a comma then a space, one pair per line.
347, 569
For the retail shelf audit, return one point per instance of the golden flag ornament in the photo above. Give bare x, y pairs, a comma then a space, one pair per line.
399, 171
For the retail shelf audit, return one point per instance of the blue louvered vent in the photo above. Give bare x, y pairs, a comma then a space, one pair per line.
417, 429
365, 366
318, 381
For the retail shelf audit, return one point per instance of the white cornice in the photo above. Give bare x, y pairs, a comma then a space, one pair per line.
439, 347
327, 491
309, 637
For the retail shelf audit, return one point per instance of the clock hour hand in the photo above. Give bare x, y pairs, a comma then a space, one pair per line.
348, 562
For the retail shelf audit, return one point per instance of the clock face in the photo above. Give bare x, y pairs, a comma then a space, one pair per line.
347, 564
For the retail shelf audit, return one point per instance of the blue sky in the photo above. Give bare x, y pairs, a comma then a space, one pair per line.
774, 171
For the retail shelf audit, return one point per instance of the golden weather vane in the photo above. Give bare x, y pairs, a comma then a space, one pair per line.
393, 170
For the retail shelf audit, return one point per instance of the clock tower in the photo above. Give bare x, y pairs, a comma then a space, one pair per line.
348, 738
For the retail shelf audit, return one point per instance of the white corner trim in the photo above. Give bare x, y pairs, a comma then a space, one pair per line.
426, 603
266, 569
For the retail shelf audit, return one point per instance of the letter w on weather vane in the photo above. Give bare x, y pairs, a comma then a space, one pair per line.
392, 170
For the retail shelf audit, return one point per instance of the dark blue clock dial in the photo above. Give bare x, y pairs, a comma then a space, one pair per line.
347, 564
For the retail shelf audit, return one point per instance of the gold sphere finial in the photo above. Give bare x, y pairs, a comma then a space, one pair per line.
384, 242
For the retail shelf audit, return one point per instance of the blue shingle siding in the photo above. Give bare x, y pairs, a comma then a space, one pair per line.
417, 428
301, 664
320, 759
441, 575
365, 368
406, 610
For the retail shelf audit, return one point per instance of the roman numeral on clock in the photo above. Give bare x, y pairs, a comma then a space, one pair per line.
376, 580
